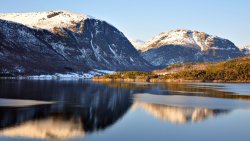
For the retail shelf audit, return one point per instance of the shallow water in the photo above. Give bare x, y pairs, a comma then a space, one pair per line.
85, 110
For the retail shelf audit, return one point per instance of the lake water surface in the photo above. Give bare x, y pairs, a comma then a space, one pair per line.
91, 111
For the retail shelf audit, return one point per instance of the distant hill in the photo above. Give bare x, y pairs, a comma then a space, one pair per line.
234, 70
246, 49
138, 44
179, 46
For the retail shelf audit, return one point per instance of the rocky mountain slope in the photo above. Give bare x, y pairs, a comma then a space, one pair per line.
62, 42
187, 46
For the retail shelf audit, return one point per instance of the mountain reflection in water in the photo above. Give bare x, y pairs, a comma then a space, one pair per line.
48, 128
178, 115
84, 107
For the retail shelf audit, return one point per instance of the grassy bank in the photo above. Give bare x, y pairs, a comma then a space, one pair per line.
236, 70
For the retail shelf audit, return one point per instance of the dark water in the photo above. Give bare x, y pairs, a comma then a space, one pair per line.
85, 110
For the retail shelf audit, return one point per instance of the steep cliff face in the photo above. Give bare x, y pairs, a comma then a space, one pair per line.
188, 46
62, 42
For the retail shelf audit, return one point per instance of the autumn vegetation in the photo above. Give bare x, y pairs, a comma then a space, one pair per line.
236, 70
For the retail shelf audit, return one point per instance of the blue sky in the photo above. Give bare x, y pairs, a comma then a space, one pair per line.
144, 19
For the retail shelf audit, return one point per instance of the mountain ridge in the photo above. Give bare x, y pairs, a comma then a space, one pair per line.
183, 37
40, 20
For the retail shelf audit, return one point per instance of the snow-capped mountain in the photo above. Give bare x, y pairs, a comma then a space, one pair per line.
138, 44
46, 20
188, 38
62, 42
187, 46
245, 49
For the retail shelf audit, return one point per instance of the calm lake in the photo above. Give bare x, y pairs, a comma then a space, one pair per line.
94, 111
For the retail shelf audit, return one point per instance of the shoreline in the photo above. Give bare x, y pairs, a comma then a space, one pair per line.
166, 81
153, 80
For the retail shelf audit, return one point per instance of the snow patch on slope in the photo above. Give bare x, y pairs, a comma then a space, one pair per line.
188, 38
70, 76
46, 20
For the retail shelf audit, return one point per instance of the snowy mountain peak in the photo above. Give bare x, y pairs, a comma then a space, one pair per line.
247, 46
188, 38
138, 44
245, 49
179, 46
46, 20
